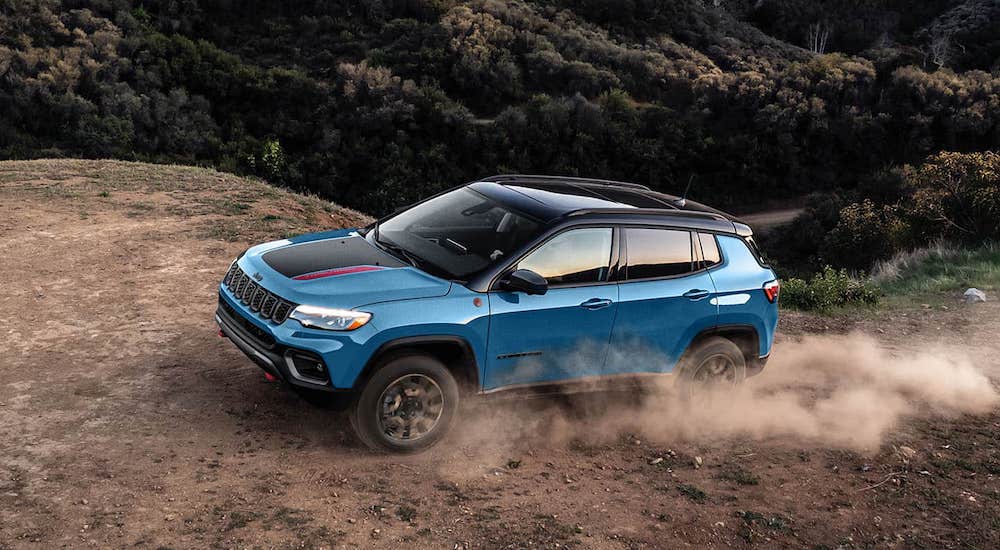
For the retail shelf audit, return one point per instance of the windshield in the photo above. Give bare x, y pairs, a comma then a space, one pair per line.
457, 234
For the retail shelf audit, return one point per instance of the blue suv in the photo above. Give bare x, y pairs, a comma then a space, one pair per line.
508, 284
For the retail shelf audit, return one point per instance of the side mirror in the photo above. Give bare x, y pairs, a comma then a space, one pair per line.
527, 281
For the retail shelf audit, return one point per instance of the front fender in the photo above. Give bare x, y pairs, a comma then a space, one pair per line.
453, 316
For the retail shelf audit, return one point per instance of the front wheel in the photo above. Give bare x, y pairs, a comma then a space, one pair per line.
407, 405
713, 363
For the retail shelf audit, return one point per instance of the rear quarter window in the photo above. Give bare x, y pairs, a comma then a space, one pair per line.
710, 255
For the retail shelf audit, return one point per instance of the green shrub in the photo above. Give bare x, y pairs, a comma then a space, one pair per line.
956, 196
269, 162
826, 290
865, 234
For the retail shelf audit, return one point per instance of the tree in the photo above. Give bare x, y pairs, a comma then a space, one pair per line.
817, 36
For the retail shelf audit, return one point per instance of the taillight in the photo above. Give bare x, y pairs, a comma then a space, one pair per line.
771, 291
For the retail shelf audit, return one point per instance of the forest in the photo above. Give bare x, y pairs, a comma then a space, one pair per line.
881, 116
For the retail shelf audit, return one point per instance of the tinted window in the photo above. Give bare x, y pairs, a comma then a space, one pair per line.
574, 257
458, 233
657, 253
709, 250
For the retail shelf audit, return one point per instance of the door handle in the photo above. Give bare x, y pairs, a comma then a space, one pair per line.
696, 294
596, 303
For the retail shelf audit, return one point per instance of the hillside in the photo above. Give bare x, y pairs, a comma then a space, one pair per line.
375, 104
200, 203
125, 421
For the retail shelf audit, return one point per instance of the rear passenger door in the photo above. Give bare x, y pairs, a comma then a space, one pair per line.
664, 299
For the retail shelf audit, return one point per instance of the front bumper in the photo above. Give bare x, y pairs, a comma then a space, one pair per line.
275, 359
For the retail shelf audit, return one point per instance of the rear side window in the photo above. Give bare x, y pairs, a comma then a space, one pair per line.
709, 250
657, 253
578, 256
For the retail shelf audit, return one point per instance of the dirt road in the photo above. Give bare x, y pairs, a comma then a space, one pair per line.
765, 222
126, 421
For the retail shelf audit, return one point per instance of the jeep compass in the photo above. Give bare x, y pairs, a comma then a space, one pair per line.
507, 284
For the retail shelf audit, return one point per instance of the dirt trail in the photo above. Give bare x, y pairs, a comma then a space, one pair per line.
126, 421
765, 222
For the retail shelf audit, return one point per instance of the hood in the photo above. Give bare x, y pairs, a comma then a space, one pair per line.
339, 270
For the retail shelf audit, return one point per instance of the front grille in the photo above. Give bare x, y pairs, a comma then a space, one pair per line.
260, 301
261, 336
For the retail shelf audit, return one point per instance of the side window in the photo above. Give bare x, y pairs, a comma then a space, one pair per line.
658, 253
709, 250
574, 257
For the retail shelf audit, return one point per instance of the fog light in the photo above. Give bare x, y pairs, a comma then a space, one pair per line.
306, 366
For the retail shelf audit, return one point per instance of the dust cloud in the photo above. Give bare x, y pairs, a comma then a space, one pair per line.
836, 391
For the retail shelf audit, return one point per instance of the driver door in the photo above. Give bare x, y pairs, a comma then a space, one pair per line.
564, 333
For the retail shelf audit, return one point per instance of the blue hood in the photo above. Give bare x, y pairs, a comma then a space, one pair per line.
337, 269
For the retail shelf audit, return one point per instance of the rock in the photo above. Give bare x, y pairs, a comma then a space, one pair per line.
907, 452
697, 462
656, 460
974, 295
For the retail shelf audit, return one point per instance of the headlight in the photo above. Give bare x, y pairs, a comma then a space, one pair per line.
330, 319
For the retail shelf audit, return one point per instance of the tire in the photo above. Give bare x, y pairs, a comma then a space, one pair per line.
700, 366
407, 405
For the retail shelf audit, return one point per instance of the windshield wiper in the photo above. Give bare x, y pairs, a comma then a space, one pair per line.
399, 251
455, 245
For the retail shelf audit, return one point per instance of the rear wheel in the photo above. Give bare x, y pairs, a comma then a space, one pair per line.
715, 362
407, 405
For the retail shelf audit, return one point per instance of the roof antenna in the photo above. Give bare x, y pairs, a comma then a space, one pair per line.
681, 202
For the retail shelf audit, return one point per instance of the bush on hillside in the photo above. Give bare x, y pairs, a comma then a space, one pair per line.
826, 290
956, 196
865, 233
953, 197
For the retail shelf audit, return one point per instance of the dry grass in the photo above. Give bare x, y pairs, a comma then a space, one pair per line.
227, 207
940, 267
902, 262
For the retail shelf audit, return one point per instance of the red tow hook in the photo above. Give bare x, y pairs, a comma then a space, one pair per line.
270, 377
221, 334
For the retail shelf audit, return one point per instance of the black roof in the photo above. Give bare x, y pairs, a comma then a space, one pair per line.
550, 197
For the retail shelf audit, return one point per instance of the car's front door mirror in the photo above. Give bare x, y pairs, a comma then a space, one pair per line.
525, 280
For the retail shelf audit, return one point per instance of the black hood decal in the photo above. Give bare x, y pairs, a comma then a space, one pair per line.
299, 259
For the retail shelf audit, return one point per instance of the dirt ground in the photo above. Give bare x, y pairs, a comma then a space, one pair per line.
125, 421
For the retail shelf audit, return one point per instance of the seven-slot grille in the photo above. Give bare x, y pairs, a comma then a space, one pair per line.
260, 301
